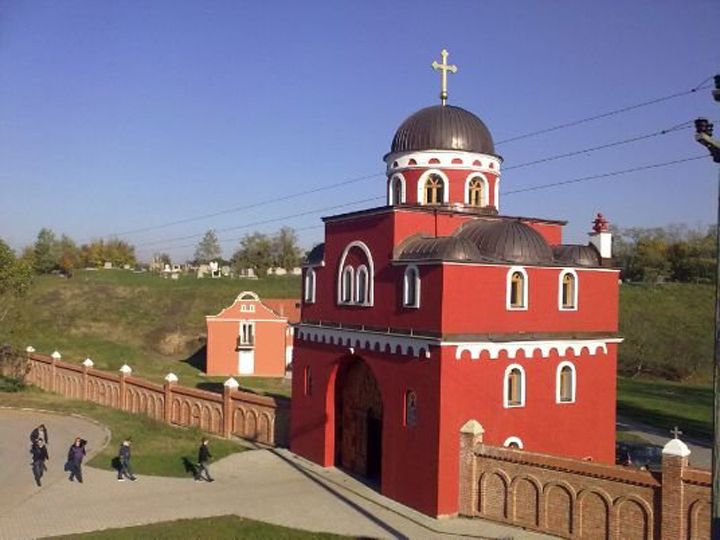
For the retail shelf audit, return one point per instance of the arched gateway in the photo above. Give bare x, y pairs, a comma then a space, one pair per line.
358, 420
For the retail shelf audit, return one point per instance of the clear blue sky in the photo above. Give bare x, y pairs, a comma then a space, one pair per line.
122, 115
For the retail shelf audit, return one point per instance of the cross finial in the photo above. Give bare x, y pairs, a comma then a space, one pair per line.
443, 69
675, 432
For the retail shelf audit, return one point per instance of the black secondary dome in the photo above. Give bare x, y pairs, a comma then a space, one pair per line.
507, 240
443, 127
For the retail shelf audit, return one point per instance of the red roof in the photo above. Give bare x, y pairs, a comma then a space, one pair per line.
285, 307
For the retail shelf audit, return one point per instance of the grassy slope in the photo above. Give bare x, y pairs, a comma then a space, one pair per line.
118, 317
158, 449
225, 527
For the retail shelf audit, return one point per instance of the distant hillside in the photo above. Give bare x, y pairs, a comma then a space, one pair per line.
117, 316
668, 330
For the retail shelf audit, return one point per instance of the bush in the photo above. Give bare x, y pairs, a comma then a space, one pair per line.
8, 384
12, 364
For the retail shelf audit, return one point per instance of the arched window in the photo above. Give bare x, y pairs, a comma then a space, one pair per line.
514, 386
397, 190
514, 443
517, 289
348, 278
568, 292
434, 190
475, 193
411, 287
309, 286
410, 408
566, 383
361, 289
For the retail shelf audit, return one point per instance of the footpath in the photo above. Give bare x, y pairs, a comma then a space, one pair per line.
274, 486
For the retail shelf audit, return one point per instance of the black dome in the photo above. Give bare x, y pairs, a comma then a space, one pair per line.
443, 127
445, 248
507, 240
574, 255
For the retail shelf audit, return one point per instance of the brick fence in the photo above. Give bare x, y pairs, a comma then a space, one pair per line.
579, 499
233, 413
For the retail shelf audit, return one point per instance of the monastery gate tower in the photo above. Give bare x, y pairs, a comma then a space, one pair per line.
435, 309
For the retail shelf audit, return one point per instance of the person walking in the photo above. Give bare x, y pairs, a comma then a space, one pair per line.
204, 456
75, 458
125, 470
39, 457
40, 432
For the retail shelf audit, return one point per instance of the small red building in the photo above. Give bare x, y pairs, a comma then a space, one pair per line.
435, 309
251, 337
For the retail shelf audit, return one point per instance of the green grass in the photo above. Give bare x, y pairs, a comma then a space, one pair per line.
117, 317
158, 449
664, 404
216, 528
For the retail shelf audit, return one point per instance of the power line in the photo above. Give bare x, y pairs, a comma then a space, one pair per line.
604, 175
608, 114
685, 125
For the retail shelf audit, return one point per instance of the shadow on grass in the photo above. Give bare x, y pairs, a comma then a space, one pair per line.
211, 386
190, 467
198, 359
666, 420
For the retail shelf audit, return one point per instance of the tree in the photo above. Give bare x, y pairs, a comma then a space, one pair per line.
255, 252
46, 252
208, 249
286, 252
15, 278
68, 255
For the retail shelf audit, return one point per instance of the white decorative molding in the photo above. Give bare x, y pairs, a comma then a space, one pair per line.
421, 186
508, 289
506, 386
391, 189
366, 340
576, 286
56, 355
247, 295
485, 198
231, 383
171, 378
561, 347
675, 447
511, 440
125, 369
573, 382
29, 349
371, 278
88, 363
445, 159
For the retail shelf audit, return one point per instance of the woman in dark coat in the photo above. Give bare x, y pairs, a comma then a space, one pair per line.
75, 458
39, 457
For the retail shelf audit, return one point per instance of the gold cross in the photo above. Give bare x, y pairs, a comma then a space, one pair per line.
444, 68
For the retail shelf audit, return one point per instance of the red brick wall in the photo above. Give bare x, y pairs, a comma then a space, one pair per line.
241, 414
576, 499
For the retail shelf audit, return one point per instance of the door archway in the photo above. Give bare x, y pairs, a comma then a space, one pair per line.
358, 420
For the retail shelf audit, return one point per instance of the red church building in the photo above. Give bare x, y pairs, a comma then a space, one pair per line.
435, 309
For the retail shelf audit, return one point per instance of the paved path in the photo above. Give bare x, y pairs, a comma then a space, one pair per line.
700, 451
267, 485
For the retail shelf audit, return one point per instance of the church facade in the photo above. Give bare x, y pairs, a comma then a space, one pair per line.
435, 309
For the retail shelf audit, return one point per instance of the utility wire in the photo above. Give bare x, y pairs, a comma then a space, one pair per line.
684, 125
608, 114
506, 193
604, 175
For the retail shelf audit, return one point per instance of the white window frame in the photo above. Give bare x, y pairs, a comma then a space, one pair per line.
406, 278
516, 440
371, 271
250, 308
347, 286
362, 269
391, 191
573, 381
506, 385
242, 340
421, 186
562, 275
508, 289
310, 286
485, 199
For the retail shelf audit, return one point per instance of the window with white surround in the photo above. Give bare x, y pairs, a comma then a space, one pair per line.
355, 277
514, 386
434, 190
411, 287
247, 334
247, 308
396, 193
568, 290
348, 284
309, 286
566, 383
361, 285
514, 443
476, 190
517, 289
